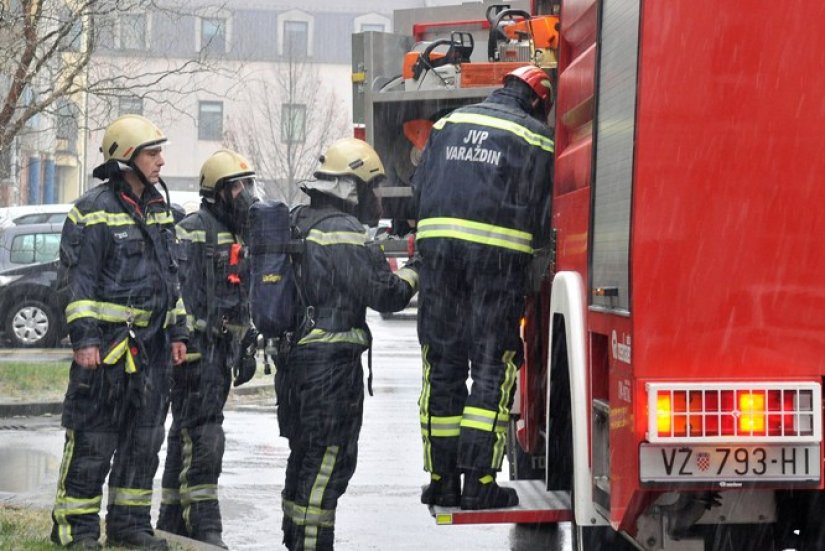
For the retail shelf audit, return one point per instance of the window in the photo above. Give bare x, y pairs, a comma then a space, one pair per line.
66, 125
372, 27
133, 29
213, 35
296, 38
293, 122
130, 105
34, 247
210, 120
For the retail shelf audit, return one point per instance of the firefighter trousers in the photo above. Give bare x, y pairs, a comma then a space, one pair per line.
471, 299
114, 422
195, 443
320, 410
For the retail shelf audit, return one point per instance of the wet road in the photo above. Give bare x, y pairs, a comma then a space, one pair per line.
381, 509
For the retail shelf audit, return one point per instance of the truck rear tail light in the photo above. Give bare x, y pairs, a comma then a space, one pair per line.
735, 411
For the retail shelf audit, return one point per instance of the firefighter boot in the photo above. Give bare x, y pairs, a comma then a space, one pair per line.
444, 491
212, 538
136, 539
482, 492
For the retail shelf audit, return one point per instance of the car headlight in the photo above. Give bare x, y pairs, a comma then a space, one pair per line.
6, 279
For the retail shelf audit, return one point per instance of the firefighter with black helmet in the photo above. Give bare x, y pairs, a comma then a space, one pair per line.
127, 326
320, 385
483, 196
215, 286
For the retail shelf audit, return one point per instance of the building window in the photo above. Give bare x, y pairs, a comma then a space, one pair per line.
132, 35
213, 35
372, 27
293, 122
210, 120
66, 126
296, 38
130, 105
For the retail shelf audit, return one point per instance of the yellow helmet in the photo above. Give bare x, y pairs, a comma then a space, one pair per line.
127, 135
223, 166
350, 157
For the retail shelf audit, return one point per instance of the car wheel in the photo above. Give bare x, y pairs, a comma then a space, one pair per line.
32, 324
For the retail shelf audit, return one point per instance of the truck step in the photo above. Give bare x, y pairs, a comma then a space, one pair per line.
536, 506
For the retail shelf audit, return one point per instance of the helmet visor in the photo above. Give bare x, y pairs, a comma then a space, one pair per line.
247, 182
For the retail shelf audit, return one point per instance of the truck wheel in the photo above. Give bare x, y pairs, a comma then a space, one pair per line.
523, 465
32, 324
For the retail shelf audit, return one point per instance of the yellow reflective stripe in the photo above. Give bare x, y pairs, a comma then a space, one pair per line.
66, 506
164, 217
187, 448
316, 496
130, 497
107, 311
353, 336
179, 311
409, 275
117, 352
190, 322
441, 426
477, 232
303, 516
193, 356
337, 237
201, 492
199, 236
477, 418
510, 371
522, 132
424, 407
101, 217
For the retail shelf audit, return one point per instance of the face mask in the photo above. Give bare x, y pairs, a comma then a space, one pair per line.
240, 210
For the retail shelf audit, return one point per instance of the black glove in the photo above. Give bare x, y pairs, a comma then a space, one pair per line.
244, 370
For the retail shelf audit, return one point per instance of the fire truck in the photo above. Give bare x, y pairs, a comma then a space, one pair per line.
671, 394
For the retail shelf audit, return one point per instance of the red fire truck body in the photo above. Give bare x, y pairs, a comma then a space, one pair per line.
676, 352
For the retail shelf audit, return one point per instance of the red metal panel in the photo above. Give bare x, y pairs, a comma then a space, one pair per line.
727, 254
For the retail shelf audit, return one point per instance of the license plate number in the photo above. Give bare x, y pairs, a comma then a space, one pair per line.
763, 463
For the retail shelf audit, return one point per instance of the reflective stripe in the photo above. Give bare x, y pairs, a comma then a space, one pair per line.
164, 217
190, 322
500, 445
116, 218
522, 132
107, 311
409, 275
199, 236
187, 448
483, 419
193, 356
201, 492
130, 497
353, 336
118, 351
170, 496
424, 407
477, 232
316, 496
66, 506
179, 311
441, 426
337, 238
325, 518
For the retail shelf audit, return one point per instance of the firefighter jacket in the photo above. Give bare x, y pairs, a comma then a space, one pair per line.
485, 176
227, 309
117, 265
341, 276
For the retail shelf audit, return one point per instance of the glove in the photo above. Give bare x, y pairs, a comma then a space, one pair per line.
244, 370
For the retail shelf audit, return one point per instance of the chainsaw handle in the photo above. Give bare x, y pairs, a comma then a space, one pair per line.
496, 34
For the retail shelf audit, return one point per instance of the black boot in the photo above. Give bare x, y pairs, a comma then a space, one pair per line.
212, 538
482, 492
444, 491
84, 543
136, 539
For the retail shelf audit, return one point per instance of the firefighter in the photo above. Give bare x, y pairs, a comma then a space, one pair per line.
127, 326
483, 193
320, 384
215, 287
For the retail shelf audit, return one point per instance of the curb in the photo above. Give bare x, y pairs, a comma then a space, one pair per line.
31, 409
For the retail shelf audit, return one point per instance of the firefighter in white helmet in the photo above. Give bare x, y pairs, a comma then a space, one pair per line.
483, 196
127, 326
320, 384
215, 286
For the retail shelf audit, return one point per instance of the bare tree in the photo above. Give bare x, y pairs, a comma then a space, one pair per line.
46, 47
290, 118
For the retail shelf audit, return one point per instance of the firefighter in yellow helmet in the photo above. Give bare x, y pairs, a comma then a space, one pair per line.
320, 384
215, 286
127, 326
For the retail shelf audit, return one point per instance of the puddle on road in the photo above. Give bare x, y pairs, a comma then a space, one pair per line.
26, 470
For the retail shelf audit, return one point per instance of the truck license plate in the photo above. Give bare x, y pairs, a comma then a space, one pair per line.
746, 463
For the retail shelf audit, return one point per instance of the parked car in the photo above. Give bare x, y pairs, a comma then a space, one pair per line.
30, 234
32, 310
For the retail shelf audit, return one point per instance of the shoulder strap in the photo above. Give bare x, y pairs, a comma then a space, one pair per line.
209, 248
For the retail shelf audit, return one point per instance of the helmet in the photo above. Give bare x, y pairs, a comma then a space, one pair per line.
537, 80
350, 157
224, 165
127, 135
